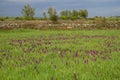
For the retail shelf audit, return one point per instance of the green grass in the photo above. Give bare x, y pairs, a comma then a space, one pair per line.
60, 55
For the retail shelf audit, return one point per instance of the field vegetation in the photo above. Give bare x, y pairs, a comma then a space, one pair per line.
59, 55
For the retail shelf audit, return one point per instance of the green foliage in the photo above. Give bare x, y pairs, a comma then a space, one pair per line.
2, 18
64, 17
8, 18
83, 13
28, 12
44, 15
59, 55
66, 14
52, 14
18, 18
74, 14
54, 18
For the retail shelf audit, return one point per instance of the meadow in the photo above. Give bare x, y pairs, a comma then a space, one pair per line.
27, 54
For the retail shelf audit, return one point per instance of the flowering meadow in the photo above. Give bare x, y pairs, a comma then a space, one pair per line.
60, 54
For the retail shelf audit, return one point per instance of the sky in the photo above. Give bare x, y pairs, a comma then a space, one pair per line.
95, 7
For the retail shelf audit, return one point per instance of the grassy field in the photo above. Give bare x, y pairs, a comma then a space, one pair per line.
60, 55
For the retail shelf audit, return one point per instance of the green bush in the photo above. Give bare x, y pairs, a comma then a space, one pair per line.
2, 19
54, 18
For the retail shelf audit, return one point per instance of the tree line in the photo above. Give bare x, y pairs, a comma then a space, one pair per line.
74, 14
28, 12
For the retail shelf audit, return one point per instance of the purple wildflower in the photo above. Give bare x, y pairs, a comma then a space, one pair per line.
76, 55
86, 61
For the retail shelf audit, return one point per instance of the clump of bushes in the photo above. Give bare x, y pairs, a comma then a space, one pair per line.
2, 19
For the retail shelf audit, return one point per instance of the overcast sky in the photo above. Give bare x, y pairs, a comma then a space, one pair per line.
94, 7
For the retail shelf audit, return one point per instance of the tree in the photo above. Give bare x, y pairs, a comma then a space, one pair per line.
52, 14
28, 12
64, 14
74, 14
44, 15
83, 13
